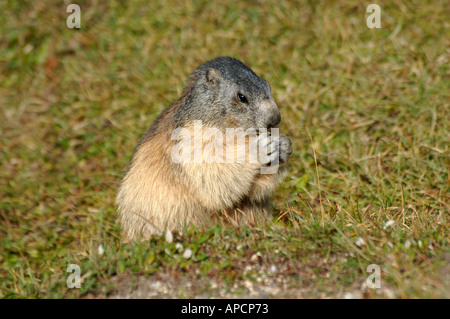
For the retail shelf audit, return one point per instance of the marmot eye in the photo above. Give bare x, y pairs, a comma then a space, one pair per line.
242, 98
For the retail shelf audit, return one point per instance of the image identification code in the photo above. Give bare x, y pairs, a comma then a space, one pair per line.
244, 308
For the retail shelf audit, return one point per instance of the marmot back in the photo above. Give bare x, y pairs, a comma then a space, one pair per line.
195, 165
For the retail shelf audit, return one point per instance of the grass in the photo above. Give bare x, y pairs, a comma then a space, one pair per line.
367, 110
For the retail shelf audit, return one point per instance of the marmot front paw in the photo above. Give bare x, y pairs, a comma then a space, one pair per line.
273, 148
285, 148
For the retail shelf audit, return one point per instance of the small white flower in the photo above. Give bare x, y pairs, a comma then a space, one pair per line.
169, 236
273, 269
213, 284
28, 48
101, 251
389, 223
360, 242
407, 244
187, 253
247, 269
179, 247
256, 257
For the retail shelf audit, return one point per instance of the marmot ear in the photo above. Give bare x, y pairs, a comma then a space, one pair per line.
212, 77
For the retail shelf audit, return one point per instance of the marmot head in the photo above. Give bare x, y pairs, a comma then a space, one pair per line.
225, 93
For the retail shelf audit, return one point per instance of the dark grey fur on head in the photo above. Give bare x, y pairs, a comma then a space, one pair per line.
234, 70
212, 96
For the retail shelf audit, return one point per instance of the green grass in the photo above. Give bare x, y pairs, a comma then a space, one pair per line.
367, 110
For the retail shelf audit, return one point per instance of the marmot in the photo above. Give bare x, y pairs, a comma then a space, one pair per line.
158, 193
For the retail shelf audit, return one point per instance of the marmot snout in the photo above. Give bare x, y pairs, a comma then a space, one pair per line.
225, 96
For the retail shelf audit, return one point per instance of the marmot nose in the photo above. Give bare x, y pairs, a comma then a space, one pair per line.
274, 120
